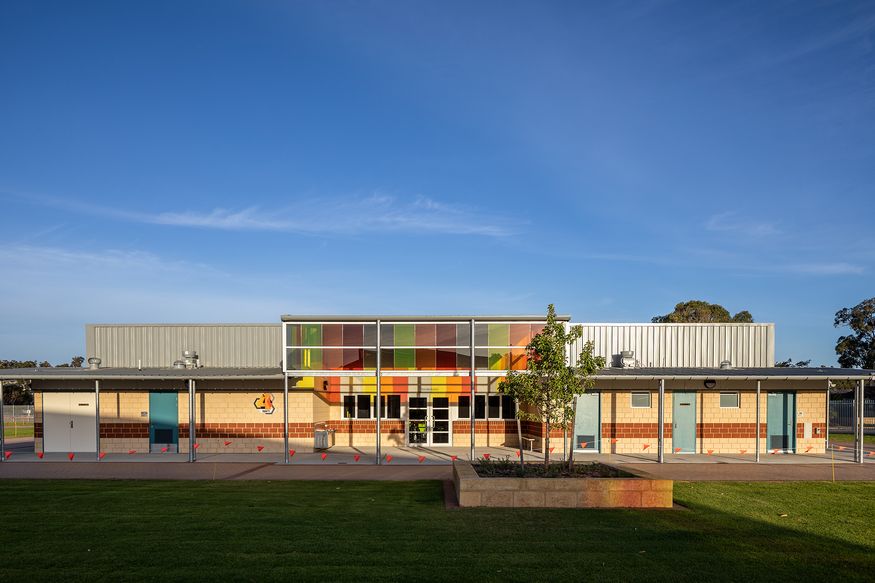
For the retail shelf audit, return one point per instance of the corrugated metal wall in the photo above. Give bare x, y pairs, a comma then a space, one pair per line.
685, 345
158, 345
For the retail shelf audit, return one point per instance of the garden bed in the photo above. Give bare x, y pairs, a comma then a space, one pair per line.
575, 491
505, 468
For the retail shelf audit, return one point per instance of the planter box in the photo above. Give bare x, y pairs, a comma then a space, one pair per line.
472, 490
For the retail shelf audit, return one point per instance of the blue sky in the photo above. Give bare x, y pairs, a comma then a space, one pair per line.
232, 161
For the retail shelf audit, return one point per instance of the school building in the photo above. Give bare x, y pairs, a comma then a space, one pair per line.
322, 382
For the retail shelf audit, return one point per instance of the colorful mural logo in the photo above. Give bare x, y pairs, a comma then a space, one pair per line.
264, 403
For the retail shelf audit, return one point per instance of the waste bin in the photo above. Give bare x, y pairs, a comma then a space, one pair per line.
323, 437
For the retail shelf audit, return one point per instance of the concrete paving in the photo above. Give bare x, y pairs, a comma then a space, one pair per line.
406, 463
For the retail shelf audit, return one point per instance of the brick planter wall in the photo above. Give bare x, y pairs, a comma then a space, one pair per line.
472, 490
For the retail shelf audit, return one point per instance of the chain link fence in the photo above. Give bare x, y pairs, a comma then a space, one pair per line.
18, 420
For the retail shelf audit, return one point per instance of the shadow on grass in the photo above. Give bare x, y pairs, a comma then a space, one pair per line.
327, 531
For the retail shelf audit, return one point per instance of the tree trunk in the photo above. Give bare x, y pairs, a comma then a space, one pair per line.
519, 433
571, 437
547, 443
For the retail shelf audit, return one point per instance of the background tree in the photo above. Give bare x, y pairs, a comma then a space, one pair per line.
19, 392
857, 350
790, 364
546, 389
698, 311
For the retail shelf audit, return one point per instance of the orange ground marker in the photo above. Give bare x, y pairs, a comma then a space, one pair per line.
8, 454
677, 449
227, 443
743, 451
388, 458
40, 454
71, 455
356, 457
517, 452
291, 453
101, 455
486, 456
614, 440
421, 458
196, 445
454, 457
163, 450
584, 444
323, 456
132, 451
710, 451
259, 448
809, 448
646, 445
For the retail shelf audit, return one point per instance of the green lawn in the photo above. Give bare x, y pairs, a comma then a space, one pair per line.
18, 429
849, 438
328, 531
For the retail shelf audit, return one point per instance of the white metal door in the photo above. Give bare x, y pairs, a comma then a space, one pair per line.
56, 422
83, 431
68, 422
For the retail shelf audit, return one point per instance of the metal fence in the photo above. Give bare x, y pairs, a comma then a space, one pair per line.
18, 420
841, 414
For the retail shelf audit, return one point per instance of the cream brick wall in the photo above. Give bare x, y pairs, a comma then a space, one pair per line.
124, 445
124, 407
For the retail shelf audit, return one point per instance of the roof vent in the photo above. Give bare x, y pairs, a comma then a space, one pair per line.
725, 364
190, 359
178, 364
627, 359
94, 363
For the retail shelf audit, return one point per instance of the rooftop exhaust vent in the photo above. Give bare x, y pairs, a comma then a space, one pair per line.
94, 363
725, 364
179, 364
627, 359
190, 359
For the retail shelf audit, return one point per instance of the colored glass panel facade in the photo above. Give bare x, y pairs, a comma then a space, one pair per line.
413, 346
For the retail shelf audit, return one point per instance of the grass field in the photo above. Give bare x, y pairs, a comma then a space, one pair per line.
849, 438
328, 531
17, 429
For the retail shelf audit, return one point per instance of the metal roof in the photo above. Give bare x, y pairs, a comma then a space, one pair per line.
746, 373
422, 318
68, 373
215, 373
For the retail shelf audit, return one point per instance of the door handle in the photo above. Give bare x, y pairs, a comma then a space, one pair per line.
71, 424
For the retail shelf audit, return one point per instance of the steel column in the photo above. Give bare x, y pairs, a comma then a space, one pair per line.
97, 419
192, 438
2, 427
826, 436
379, 459
473, 390
861, 426
661, 421
286, 418
757, 428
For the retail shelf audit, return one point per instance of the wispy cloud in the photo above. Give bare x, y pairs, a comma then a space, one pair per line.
350, 215
731, 222
837, 268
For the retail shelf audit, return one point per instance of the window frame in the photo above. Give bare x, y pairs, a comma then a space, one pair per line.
632, 404
481, 401
737, 399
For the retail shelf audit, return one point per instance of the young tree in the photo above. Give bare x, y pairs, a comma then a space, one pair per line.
546, 389
857, 350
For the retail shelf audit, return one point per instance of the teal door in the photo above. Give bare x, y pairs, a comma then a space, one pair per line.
683, 429
587, 423
163, 422
781, 422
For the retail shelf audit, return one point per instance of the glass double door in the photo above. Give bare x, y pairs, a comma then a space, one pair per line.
428, 421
